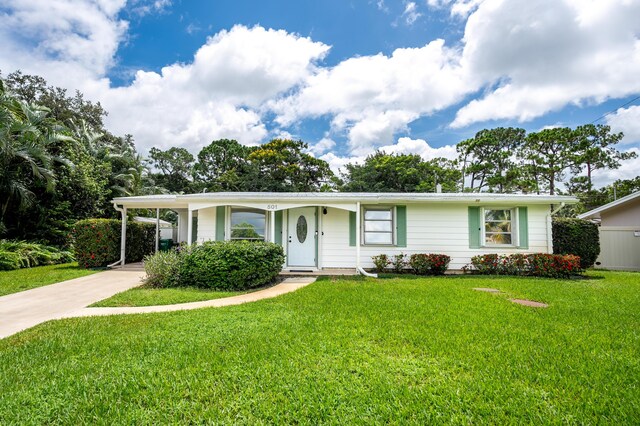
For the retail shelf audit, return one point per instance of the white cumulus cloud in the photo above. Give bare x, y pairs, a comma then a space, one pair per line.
627, 121
543, 55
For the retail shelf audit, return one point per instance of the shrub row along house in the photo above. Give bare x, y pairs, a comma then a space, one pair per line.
344, 230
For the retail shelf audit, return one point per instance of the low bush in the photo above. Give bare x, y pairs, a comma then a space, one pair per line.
420, 264
578, 237
96, 242
554, 265
21, 254
381, 262
429, 264
163, 268
535, 264
229, 265
399, 262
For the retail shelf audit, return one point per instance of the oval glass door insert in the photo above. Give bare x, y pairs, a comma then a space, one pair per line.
301, 229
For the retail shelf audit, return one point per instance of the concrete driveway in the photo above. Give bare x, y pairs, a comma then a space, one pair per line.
19, 311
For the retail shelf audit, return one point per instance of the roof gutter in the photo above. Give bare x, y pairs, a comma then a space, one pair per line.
549, 226
359, 268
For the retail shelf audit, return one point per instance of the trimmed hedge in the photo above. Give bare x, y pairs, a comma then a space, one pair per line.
219, 265
21, 254
535, 264
97, 241
578, 237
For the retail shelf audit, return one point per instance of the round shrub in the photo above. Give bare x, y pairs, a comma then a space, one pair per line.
578, 237
97, 241
231, 265
429, 264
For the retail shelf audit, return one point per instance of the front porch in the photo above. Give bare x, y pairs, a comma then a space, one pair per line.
316, 232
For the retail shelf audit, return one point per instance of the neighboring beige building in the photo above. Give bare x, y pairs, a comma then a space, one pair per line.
619, 233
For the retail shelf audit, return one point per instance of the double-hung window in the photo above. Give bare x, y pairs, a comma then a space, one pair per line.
499, 227
248, 224
378, 225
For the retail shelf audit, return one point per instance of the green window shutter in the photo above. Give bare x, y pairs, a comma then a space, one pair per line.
194, 230
352, 229
523, 228
278, 236
474, 227
401, 226
220, 223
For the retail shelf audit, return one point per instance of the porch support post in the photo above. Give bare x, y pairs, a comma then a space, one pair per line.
358, 236
157, 229
123, 236
190, 226
272, 226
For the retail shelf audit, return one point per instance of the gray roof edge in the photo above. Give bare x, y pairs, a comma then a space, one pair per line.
349, 196
610, 205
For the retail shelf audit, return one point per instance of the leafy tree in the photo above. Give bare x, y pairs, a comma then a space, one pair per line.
595, 150
34, 90
175, 168
284, 166
548, 154
489, 159
26, 135
383, 172
70, 163
623, 187
224, 165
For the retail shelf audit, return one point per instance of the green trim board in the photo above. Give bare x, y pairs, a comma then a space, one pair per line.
401, 226
194, 229
316, 234
278, 227
474, 227
352, 229
220, 222
523, 228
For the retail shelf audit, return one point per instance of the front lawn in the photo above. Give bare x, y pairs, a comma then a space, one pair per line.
26, 278
146, 296
421, 351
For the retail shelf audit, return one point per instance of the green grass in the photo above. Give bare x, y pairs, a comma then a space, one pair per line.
145, 296
26, 278
421, 351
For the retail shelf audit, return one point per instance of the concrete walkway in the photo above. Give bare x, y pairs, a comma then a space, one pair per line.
286, 286
68, 299
19, 311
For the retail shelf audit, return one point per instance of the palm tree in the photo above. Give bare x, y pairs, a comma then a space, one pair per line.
26, 133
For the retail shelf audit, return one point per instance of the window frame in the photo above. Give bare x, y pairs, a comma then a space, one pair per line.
515, 237
363, 220
232, 209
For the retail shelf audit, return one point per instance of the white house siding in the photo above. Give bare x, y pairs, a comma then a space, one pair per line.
431, 228
183, 222
206, 224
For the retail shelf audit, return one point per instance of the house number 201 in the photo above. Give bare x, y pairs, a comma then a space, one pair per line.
272, 206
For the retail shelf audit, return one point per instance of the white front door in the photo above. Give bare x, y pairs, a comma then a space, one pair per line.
301, 237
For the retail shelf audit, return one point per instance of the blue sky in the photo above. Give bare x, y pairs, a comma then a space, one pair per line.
346, 77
